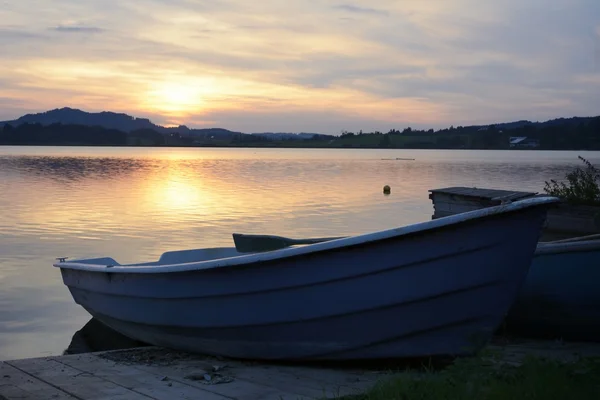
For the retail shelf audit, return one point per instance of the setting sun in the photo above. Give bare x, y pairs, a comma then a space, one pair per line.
179, 96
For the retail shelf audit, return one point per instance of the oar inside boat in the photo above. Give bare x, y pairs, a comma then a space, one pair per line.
256, 243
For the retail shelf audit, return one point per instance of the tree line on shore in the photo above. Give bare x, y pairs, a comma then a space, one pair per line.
559, 134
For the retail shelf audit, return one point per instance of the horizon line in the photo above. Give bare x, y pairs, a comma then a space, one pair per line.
281, 132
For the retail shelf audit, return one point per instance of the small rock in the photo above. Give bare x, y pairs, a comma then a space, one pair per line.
209, 379
165, 378
194, 377
7, 376
170, 384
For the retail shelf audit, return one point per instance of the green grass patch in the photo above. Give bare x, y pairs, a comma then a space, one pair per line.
480, 379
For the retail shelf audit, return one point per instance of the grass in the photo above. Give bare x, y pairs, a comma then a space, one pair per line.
478, 379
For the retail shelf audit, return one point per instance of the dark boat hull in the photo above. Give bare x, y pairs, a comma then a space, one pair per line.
439, 291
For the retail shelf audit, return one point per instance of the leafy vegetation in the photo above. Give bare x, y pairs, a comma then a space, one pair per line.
582, 187
474, 378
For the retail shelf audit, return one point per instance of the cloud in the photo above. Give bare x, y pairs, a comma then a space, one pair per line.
77, 29
360, 10
433, 63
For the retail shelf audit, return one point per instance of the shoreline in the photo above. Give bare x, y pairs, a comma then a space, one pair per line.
221, 146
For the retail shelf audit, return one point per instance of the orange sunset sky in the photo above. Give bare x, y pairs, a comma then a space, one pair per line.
303, 65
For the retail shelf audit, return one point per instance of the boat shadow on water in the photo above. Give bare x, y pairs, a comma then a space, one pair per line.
95, 336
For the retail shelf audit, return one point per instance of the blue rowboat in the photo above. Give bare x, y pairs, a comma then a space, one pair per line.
440, 287
561, 294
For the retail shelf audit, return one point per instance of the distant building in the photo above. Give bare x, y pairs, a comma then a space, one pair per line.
523, 141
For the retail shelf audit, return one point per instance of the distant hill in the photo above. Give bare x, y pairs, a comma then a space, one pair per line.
68, 126
71, 116
128, 123
552, 122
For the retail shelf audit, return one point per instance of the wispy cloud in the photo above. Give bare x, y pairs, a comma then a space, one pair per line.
360, 10
77, 29
299, 65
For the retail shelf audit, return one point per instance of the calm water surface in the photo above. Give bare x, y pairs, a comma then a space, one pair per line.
133, 204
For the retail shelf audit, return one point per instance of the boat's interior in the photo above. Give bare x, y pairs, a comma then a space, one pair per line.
173, 257
585, 243
234, 255
209, 255
195, 255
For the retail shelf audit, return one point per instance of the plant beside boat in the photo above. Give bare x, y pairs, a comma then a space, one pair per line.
579, 210
583, 186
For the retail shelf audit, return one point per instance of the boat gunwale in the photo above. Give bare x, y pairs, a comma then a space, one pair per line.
336, 244
548, 248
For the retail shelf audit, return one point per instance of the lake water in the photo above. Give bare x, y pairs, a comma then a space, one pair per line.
133, 204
